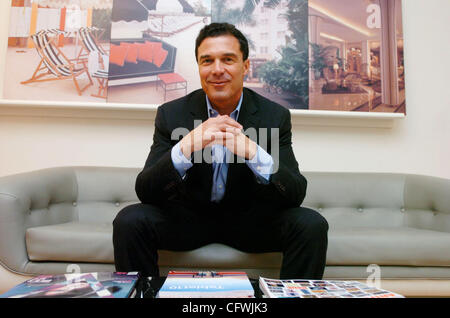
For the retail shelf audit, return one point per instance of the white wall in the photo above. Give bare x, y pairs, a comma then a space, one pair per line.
419, 143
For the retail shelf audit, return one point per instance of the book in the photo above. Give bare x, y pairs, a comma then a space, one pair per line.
85, 285
206, 284
302, 288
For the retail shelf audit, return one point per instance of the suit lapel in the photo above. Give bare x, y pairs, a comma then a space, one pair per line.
248, 118
198, 113
197, 110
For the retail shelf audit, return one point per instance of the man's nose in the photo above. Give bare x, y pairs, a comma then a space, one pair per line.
218, 67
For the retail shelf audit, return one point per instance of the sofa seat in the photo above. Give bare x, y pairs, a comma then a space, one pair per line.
403, 246
71, 242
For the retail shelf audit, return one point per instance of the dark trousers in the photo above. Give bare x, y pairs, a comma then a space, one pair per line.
140, 230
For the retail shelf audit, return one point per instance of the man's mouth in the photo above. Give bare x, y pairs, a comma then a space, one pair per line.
218, 83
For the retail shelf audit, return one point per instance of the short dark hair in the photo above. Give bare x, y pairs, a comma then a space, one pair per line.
218, 29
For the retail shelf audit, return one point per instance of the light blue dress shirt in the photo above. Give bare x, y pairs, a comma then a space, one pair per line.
261, 165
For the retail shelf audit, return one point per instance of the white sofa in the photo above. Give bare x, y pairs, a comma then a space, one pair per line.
60, 219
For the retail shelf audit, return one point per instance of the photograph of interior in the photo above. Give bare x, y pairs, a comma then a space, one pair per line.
356, 56
152, 49
278, 46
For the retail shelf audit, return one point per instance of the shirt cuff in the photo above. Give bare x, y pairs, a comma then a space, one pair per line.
180, 162
261, 165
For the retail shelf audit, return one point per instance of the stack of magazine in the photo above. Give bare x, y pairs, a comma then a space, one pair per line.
89, 285
301, 288
181, 284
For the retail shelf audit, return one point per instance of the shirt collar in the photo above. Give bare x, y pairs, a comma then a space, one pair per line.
213, 113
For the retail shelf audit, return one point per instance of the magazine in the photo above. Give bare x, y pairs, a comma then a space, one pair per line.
87, 285
181, 284
302, 288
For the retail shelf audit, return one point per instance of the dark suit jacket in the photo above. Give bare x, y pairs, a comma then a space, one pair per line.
159, 182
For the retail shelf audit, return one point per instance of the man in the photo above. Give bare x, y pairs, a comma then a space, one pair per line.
213, 184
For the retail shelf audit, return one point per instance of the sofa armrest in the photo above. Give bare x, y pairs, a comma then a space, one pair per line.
427, 202
32, 199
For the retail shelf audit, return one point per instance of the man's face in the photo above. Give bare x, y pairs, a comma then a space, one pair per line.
222, 70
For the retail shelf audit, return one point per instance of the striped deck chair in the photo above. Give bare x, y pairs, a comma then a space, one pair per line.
102, 78
54, 65
97, 69
89, 41
98, 65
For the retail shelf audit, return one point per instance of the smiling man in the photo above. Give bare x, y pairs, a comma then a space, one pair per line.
248, 196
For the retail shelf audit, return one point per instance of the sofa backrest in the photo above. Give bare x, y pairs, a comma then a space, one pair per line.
97, 194
427, 203
380, 199
102, 192
65, 194
356, 199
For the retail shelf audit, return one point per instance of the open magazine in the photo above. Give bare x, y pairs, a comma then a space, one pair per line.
186, 284
302, 288
88, 285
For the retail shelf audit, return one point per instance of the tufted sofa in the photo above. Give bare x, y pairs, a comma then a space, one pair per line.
60, 219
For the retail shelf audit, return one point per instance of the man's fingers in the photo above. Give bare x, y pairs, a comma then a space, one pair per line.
226, 121
231, 122
220, 137
230, 129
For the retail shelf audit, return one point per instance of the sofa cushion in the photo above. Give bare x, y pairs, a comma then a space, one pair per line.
71, 242
118, 54
89, 242
403, 246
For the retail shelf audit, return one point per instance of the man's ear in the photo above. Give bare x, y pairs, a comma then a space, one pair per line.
246, 66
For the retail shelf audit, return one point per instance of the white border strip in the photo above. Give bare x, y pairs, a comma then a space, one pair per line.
148, 111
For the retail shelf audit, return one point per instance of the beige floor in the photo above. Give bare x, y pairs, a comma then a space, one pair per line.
348, 102
20, 65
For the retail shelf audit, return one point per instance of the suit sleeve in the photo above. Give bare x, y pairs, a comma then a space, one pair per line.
159, 180
287, 185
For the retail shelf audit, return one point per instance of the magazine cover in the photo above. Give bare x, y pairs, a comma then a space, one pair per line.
301, 288
180, 284
89, 285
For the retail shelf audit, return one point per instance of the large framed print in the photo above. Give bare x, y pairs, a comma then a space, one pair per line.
317, 55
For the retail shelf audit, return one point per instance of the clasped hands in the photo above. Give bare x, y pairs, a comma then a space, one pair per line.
222, 130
